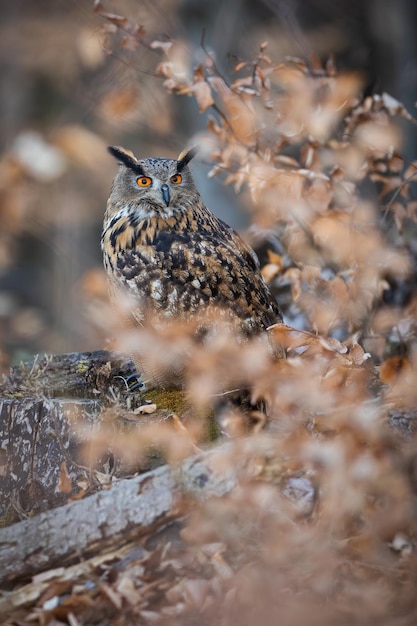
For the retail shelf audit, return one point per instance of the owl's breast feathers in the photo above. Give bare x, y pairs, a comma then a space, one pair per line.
182, 265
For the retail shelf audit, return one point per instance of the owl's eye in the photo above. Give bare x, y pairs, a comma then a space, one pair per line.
176, 179
144, 181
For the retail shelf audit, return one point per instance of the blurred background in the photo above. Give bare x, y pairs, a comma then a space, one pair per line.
68, 90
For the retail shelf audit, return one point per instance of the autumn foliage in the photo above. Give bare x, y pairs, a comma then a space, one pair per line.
322, 527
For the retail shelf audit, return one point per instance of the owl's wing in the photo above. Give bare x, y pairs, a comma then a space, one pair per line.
214, 266
181, 271
248, 268
239, 245
246, 271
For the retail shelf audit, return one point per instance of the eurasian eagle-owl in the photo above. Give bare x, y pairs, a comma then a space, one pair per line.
174, 258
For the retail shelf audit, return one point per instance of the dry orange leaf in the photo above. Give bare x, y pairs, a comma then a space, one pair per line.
64, 482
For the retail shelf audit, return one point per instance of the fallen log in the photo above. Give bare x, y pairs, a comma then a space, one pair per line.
112, 517
71, 375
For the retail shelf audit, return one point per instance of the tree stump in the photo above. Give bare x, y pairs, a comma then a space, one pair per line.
42, 405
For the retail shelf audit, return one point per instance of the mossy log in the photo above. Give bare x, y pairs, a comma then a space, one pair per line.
42, 405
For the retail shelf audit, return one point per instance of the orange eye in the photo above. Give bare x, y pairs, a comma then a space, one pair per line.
144, 181
176, 179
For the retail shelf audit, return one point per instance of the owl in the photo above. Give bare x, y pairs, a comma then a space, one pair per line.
174, 258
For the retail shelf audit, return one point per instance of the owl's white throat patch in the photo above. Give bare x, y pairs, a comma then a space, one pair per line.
144, 212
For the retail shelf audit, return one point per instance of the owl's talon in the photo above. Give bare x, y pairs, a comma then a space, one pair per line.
138, 384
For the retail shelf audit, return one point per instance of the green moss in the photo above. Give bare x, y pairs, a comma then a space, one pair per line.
213, 430
173, 399
14, 395
82, 367
177, 401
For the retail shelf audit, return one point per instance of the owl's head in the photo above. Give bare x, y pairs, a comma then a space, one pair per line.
153, 186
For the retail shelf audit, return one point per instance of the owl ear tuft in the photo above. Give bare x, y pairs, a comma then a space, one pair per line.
185, 157
127, 158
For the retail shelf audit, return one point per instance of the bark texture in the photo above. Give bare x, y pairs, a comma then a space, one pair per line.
47, 409
112, 517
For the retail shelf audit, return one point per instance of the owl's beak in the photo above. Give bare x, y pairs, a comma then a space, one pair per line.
165, 194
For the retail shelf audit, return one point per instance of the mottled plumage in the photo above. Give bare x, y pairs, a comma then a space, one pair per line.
173, 256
